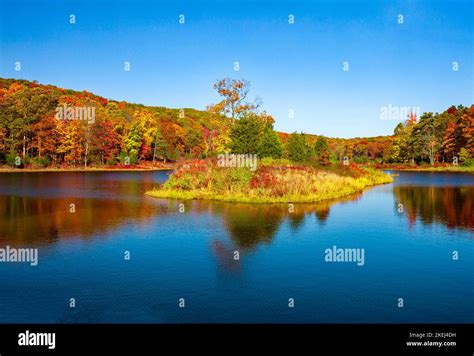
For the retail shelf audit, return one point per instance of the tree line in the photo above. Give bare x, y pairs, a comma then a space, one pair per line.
446, 137
32, 133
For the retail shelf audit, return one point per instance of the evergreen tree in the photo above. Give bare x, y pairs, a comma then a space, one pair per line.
321, 149
160, 147
297, 148
270, 145
246, 135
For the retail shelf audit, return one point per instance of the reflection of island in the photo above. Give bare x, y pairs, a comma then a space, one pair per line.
249, 225
451, 206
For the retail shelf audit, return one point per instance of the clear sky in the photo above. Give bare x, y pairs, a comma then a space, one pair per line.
290, 66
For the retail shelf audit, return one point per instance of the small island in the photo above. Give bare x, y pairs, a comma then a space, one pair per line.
274, 181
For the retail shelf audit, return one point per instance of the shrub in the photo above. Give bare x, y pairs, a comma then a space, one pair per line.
465, 157
240, 176
11, 160
41, 161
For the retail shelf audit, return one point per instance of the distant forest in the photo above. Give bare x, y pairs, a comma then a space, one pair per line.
41, 125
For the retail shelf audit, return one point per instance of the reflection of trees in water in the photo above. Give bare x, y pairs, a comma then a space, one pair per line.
41, 220
451, 206
108, 200
33, 220
296, 219
249, 225
322, 211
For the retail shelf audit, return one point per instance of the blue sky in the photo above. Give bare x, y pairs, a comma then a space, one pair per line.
290, 66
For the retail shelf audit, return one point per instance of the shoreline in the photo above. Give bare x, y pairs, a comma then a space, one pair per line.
238, 198
60, 170
469, 170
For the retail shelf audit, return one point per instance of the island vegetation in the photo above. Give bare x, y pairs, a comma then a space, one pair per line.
275, 181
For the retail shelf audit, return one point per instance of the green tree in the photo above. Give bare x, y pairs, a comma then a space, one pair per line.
321, 148
297, 147
246, 134
134, 139
270, 145
426, 142
159, 147
465, 157
20, 108
193, 139
403, 149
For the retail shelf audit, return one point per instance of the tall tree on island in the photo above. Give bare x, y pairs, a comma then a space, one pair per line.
321, 149
297, 148
234, 103
270, 145
246, 135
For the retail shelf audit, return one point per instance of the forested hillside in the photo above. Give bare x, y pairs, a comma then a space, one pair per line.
29, 128
43, 125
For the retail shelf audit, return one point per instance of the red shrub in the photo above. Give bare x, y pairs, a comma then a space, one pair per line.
263, 180
356, 170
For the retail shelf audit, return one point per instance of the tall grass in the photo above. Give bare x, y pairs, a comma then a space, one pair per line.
273, 182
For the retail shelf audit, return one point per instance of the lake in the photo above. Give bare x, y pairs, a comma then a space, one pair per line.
127, 258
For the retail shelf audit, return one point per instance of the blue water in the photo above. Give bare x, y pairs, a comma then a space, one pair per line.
190, 254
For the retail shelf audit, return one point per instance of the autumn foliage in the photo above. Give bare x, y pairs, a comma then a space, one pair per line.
128, 134
121, 132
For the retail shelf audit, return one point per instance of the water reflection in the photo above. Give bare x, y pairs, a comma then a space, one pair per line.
450, 206
36, 209
191, 252
32, 220
250, 225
